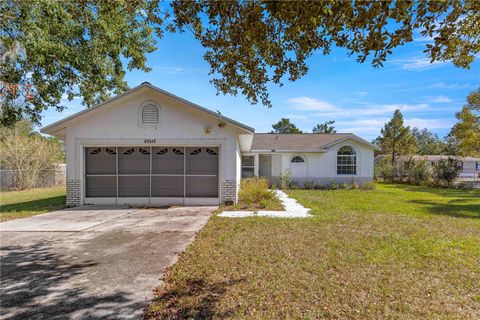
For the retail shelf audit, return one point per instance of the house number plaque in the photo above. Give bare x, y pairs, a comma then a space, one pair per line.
150, 140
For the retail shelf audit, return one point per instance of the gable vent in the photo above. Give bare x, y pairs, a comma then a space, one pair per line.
150, 114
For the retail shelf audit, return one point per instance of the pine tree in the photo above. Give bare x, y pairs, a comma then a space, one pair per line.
396, 138
285, 126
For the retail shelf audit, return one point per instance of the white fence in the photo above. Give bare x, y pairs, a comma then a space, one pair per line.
48, 178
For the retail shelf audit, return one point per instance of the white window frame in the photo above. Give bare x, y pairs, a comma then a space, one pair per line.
355, 156
247, 167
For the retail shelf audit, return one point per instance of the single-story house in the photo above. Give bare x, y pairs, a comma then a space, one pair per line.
147, 146
469, 166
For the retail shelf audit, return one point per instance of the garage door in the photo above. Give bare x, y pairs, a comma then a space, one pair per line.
151, 172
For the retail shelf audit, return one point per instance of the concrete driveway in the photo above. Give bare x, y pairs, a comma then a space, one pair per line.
91, 262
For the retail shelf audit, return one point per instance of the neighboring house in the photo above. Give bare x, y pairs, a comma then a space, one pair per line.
150, 147
470, 166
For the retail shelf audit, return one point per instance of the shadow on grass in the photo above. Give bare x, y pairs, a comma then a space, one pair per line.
193, 299
37, 284
454, 208
438, 191
57, 202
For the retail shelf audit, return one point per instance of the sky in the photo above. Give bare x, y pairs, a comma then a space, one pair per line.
358, 97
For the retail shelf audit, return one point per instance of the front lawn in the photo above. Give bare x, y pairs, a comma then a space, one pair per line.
20, 204
395, 252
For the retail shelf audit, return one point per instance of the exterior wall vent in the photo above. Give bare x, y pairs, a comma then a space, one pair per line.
150, 114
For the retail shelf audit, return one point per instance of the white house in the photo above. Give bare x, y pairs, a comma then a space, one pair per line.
150, 147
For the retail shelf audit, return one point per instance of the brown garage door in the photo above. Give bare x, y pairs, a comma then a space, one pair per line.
171, 172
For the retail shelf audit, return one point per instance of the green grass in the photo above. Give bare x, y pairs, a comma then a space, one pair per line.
397, 252
20, 204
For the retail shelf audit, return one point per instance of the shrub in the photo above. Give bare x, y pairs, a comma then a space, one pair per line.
418, 174
309, 184
368, 186
385, 171
285, 180
254, 193
445, 172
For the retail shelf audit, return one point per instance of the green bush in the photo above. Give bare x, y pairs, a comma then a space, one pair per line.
385, 171
309, 184
418, 173
254, 193
445, 172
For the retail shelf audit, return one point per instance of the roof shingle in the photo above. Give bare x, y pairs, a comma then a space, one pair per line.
295, 142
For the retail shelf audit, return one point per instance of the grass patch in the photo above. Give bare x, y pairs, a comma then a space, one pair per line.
255, 195
20, 204
399, 252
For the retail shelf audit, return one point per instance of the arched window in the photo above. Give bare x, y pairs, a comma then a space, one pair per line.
149, 114
346, 161
298, 159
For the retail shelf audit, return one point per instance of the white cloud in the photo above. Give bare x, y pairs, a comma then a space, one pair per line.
443, 85
370, 128
429, 123
437, 99
311, 104
297, 117
416, 63
362, 93
327, 109
172, 70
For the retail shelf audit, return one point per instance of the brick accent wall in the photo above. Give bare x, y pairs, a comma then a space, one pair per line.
229, 191
74, 193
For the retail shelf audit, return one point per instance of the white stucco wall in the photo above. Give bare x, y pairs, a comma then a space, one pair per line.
324, 165
180, 125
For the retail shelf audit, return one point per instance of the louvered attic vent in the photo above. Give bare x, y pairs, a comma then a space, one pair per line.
150, 114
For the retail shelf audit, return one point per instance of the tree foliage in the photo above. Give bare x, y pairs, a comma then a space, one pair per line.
28, 154
325, 128
285, 126
55, 49
250, 43
396, 138
465, 134
428, 142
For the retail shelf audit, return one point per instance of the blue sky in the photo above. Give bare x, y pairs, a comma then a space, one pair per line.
358, 97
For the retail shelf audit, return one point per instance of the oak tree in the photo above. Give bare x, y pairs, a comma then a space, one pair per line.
55, 49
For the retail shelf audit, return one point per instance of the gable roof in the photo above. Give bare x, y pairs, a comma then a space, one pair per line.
56, 126
306, 142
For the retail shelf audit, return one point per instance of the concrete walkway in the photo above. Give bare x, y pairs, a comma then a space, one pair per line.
293, 209
90, 262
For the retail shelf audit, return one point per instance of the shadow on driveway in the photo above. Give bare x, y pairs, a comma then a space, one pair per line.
35, 285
